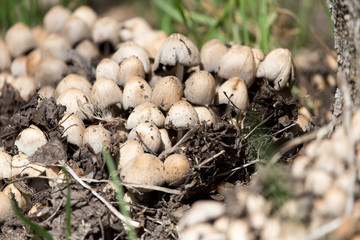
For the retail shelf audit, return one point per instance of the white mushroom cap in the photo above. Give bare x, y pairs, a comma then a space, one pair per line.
46, 91
57, 46
73, 128
165, 139
71, 99
30, 140
148, 135
33, 59
5, 163
22, 166
19, 39
18, 66
167, 91
107, 68
238, 61
6, 211
5, 58
106, 29
88, 50
211, 53
145, 169
5, 77
75, 30
136, 92
95, 136
22, 200
87, 14
176, 169
73, 81
40, 35
133, 27
55, 18
130, 67
151, 41
177, 50
200, 88
206, 115
145, 112
258, 56
181, 116
105, 93
129, 49
128, 151
236, 92
50, 70
276, 67
26, 86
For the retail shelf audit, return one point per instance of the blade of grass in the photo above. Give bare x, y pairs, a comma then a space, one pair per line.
68, 204
119, 190
40, 231
245, 31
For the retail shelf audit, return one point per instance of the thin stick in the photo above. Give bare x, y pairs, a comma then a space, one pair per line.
211, 158
156, 188
107, 204
325, 229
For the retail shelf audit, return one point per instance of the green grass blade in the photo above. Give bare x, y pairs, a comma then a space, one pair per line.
169, 10
245, 31
40, 231
119, 190
67, 205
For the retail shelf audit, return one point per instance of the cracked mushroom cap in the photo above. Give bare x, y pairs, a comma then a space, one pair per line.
19, 39
211, 53
238, 61
105, 92
129, 49
95, 136
30, 140
277, 67
177, 49
73, 81
136, 92
167, 91
176, 169
145, 112
181, 116
200, 88
55, 18
145, 169
148, 135
106, 29
233, 90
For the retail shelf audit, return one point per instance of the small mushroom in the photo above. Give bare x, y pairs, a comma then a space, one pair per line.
19, 39
148, 135
75, 30
167, 91
55, 18
105, 30
105, 93
5, 58
176, 169
73, 128
32, 61
40, 35
21, 200
179, 52
258, 56
136, 92
75, 102
277, 67
133, 27
21, 166
129, 49
95, 136
200, 88
238, 61
145, 112
26, 86
145, 169
46, 91
129, 68
233, 91
18, 66
73, 81
107, 68
206, 115
128, 151
5, 163
86, 14
88, 50
30, 140
6, 211
211, 53
50, 70
56, 45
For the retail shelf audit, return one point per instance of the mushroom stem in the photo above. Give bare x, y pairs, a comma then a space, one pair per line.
180, 134
179, 71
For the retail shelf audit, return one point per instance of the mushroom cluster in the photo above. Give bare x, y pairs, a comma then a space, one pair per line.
101, 69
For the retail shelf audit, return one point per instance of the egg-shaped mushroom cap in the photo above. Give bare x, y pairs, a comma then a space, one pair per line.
181, 116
